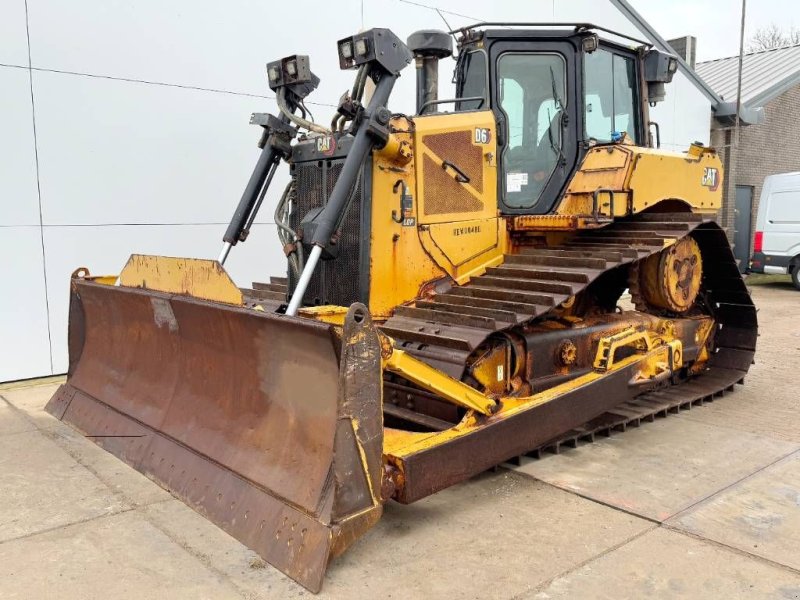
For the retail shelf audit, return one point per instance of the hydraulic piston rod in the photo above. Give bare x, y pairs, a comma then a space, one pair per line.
256, 187
329, 218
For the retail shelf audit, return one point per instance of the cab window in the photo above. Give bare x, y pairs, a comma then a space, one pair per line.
473, 80
532, 93
610, 103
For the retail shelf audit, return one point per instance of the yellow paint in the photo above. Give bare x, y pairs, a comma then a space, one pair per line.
660, 356
426, 128
400, 444
607, 347
83, 273
641, 177
205, 279
399, 266
434, 381
465, 249
105, 279
407, 259
327, 313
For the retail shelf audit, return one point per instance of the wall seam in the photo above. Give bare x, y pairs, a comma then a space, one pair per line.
39, 192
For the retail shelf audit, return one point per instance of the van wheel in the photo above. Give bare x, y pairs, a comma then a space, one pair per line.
796, 276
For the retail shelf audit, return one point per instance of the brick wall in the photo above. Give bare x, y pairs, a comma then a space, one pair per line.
767, 149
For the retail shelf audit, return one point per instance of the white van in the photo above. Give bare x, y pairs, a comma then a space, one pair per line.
776, 246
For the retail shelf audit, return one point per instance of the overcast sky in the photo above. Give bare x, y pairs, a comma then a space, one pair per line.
715, 23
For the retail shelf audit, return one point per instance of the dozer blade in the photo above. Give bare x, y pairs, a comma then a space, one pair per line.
269, 426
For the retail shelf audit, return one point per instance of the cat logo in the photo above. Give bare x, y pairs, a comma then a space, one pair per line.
710, 178
326, 144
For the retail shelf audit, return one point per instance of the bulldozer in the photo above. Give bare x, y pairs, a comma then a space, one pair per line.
453, 296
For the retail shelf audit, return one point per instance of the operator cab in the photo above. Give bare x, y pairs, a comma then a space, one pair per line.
555, 94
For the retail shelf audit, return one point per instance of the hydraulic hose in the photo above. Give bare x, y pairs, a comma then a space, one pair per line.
299, 121
286, 234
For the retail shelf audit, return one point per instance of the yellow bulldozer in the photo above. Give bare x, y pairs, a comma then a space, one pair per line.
452, 298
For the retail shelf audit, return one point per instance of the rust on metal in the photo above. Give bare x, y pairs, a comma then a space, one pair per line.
275, 429
250, 418
204, 279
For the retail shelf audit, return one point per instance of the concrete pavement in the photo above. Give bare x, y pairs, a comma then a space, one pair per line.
705, 504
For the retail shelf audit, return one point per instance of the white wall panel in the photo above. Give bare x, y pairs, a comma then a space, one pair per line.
105, 250
125, 153
24, 346
225, 45
114, 152
19, 204
13, 37
219, 45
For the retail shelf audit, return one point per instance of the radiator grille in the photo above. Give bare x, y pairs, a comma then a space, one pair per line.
335, 281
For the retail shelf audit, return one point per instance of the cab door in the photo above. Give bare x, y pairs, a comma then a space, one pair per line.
534, 95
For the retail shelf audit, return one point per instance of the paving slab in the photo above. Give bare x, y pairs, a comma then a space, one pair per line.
135, 488
120, 556
768, 404
495, 536
669, 565
31, 401
660, 468
11, 421
43, 487
760, 515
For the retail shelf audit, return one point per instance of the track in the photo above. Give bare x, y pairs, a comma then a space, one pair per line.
444, 330
646, 408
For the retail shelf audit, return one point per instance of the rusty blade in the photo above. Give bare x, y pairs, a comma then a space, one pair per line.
247, 416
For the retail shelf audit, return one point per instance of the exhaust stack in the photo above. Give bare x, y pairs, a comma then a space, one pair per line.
428, 47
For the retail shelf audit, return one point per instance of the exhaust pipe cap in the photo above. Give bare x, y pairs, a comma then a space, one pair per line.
432, 43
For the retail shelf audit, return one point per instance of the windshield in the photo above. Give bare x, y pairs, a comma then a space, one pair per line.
532, 95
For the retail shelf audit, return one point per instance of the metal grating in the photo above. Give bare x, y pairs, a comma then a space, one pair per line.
443, 194
335, 281
457, 147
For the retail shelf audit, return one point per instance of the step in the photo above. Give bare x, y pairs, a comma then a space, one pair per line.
624, 250
607, 254
531, 285
655, 225
275, 287
504, 293
534, 272
526, 310
264, 294
450, 318
498, 315
654, 242
555, 261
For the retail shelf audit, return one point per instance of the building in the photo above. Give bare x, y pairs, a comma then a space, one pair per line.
771, 100
124, 129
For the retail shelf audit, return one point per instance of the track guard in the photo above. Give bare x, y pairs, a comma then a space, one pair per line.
267, 425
